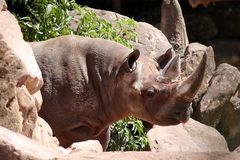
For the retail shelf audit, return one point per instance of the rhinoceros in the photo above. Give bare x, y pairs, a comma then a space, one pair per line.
90, 83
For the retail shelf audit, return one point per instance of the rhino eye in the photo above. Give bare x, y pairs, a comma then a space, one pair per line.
151, 92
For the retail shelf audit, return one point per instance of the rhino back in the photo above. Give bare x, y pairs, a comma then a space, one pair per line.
77, 73
66, 84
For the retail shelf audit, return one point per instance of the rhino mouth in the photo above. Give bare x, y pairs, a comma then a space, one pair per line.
178, 117
184, 115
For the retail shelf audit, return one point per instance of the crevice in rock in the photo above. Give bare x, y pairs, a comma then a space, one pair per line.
10, 101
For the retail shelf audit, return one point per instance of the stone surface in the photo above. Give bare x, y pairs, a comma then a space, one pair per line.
90, 146
27, 109
226, 51
190, 61
222, 86
43, 134
14, 146
3, 5
219, 106
237, 150
155, 156
20, 77
11, 34
149, 38
189, 137
229, 125
173, 25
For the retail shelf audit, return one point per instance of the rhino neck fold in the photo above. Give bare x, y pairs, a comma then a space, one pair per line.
103, 74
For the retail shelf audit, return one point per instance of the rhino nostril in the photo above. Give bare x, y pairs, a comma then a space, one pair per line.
151, 92
177, 113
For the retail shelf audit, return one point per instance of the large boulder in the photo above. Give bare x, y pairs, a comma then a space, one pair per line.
190, 137
222, 87
3, 5
90, 146
190, 61
150, 40
42, 133
14, 146
237, 150
226, 51
20, 77
155, 156
219, 106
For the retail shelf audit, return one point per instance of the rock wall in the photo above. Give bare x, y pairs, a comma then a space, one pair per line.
190, 137
20, 78
217, 103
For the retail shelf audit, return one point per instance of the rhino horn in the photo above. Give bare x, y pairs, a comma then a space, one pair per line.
172, 69
188, 88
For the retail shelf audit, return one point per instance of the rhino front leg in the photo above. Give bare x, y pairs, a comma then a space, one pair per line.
104, 138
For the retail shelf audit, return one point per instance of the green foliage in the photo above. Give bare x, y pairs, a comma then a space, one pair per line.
128, 135
47, 19
90, 25
52, 18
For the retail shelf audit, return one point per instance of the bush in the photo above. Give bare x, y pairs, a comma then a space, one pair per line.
47, 19
128, 135
51, 18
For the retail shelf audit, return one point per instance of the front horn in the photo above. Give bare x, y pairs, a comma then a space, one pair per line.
188, 88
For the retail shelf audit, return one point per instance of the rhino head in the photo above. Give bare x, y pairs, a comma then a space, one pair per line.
156, 93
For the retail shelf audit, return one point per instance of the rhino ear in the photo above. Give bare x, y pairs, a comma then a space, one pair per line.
165, 58
131, 60
172, 69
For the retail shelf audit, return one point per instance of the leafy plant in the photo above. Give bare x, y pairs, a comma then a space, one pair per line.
52, 18
128, 135
90, 25
47, 19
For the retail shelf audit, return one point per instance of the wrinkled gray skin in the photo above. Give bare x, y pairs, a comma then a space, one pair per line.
91, 83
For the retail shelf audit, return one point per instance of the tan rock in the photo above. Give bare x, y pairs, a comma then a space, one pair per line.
154, 156
30, 74
14, 146
28, 110
91, 146
20, 77
3, 5
43, 134
190, 137
150, 40
190, 61
237, 149
219, 106
227, 51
